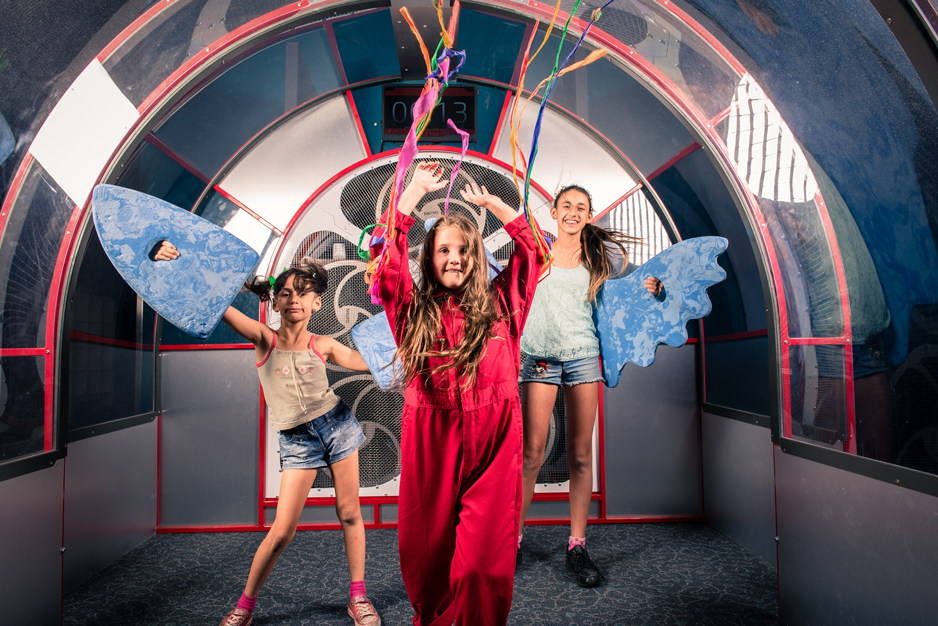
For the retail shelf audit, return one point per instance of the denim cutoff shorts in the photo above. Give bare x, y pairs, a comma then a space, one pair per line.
323, 441
537, 369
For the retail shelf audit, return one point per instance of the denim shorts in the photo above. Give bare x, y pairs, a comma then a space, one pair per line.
553, 372
323, 441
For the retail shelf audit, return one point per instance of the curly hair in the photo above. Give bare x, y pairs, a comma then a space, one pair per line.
595, 245
425, 318
309, 276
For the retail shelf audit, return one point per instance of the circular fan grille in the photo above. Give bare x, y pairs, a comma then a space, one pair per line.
347, 303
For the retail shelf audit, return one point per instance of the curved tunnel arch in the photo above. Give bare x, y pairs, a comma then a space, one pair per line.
770, 225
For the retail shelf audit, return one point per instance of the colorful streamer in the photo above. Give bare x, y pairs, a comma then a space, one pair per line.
515, 123
462, 155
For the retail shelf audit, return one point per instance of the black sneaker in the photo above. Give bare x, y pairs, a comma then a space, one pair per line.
579, 563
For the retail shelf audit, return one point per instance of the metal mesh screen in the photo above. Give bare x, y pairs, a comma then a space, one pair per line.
347, 303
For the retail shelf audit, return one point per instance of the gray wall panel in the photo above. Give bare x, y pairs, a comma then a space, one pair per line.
554, 509
652, 438
31, 570
110, 499
853, 550
209, 447
739, 487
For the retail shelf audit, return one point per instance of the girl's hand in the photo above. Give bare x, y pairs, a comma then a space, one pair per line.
426, 178
484, 199
654, 286
166, 252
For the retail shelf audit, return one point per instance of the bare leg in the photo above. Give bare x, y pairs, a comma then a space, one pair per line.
537, 404
347, 508
581, 403
294, 487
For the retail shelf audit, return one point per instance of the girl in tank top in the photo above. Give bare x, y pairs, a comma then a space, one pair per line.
316, 428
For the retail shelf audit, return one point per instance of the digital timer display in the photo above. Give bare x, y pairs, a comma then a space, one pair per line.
458, 104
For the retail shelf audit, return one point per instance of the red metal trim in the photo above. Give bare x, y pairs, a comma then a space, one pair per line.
76, 335
734, 336
850, 445
501, 120
233, 528
199, 58
692, 340
330, 500
818, 341
335, 52
56, 289
530, 31
677, 157
601, 461
703, 359
154, 141
132, 29
722, 115
159, 465
247, 210
14, 191
22, 352
358, 122
628, 194
206, 346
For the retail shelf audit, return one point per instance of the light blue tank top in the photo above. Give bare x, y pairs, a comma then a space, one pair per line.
560, 324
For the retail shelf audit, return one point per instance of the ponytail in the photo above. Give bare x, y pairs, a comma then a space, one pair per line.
310, 276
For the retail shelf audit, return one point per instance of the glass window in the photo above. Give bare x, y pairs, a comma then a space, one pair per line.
156, 174
22, 393
492, 44
215, 123
110, 336
28, 251
367, 46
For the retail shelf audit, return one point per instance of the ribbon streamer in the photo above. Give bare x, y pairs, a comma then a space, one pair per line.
452, 177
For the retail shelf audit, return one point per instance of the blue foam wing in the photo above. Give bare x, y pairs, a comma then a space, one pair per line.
7, 141
631, 322
375, 342
191, 292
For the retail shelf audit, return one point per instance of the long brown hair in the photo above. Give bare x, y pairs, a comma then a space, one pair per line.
595, 244
425, 319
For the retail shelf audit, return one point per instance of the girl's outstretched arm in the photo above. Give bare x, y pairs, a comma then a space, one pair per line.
340, 354
426, 178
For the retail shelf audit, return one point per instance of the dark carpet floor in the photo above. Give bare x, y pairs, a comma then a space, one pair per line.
656, 574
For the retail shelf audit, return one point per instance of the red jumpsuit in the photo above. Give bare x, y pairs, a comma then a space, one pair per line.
460, 494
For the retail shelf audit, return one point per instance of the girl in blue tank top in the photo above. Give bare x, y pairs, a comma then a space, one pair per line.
560, 347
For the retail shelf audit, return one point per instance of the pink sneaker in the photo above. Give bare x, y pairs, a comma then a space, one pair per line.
364, 614
238, 617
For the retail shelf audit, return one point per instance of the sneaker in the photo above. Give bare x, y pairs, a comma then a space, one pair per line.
579, 563
238, 617
364, 614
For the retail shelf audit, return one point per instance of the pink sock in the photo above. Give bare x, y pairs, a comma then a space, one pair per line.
519, 541
246, 602
576, 541
357, 588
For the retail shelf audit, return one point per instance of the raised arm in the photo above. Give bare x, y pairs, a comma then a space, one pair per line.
517, 282
395, 284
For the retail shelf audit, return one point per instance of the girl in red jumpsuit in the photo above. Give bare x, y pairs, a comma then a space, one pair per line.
458, 339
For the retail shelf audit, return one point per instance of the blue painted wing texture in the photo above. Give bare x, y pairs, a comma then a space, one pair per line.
375, 342
7, 141
631, 322
191, 292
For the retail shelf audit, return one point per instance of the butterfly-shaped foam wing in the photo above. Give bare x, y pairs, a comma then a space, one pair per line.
631, 322
191, 292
